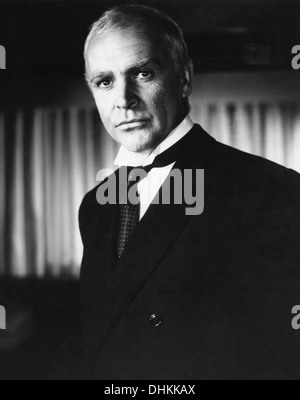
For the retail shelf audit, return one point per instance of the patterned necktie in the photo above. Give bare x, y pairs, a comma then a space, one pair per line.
129, 212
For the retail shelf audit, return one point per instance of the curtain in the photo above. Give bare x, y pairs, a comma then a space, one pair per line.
49, 159
269, 130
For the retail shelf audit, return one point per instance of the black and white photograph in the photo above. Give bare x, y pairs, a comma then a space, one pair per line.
149, 192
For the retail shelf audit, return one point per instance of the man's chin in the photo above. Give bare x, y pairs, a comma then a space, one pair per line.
135, 145
137, 148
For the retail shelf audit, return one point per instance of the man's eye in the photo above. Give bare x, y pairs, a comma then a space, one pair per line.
104, 84
144, 74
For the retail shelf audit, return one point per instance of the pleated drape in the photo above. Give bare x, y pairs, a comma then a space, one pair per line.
2, 196
270, 130
49, 159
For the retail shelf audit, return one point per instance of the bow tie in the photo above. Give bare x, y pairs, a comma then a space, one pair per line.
136, 174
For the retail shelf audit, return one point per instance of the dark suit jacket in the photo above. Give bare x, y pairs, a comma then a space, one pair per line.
222, 284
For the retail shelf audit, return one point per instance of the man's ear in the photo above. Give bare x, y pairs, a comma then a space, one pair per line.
187, 79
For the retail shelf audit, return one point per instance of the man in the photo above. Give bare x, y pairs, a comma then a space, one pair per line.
167, 295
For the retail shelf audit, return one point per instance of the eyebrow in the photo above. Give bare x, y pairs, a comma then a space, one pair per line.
141, 64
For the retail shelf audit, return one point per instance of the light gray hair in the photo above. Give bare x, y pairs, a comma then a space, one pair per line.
122, 17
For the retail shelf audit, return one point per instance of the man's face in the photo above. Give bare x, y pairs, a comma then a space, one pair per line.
138, 93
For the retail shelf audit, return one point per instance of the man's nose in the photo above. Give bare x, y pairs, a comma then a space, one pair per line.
126, 98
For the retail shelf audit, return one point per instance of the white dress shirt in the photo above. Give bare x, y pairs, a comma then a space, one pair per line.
149, 187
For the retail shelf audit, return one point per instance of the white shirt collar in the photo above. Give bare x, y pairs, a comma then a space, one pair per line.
132, 159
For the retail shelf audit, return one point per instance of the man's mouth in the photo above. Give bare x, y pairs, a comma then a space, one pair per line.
132, 124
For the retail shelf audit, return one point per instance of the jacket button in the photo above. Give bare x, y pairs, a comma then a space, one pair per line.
155, 320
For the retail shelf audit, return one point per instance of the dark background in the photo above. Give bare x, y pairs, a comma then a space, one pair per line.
44, 42
46, 38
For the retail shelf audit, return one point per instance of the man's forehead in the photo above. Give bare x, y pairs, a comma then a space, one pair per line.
127, 46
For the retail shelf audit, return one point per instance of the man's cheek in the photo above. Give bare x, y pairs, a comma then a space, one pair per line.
154, 93
103, 103
104, 113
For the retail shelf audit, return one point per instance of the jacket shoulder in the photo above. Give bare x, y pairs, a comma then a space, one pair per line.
258, 171
235, 163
